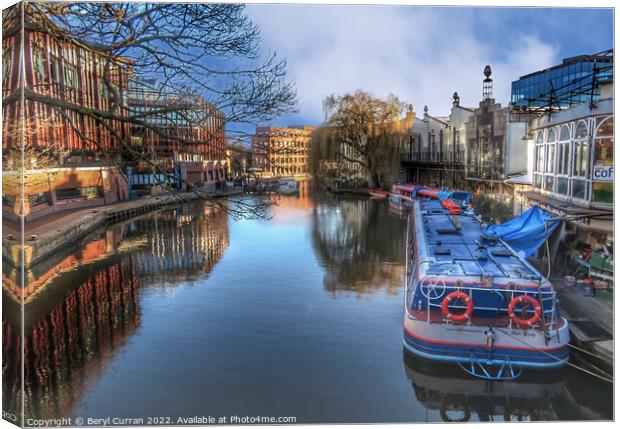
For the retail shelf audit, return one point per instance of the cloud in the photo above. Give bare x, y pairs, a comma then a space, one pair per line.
420, 54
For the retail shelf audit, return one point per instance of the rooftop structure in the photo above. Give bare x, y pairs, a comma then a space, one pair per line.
575, 81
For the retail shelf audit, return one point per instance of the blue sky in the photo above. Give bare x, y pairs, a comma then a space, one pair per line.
421, 54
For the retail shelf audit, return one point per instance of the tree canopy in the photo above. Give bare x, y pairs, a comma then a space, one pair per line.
364, 130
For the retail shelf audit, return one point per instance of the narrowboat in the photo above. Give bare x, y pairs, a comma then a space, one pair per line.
378, 193
471, 299
403, 196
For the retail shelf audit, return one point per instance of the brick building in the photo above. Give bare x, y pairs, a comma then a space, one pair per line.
184, 135
282, 151
67, 155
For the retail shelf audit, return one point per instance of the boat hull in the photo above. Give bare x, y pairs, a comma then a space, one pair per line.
401, 201
460, 343
379, 194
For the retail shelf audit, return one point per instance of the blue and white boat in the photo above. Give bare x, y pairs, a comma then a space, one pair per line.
472, 300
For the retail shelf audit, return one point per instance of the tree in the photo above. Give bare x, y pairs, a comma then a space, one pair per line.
206, 51
367, 131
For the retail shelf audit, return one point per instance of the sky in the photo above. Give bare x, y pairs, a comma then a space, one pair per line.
421, 54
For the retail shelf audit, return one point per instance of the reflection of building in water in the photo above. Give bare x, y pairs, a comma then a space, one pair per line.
181, 243
182, 239
42, 273
81, 317
350, 240
537, 396
64, 350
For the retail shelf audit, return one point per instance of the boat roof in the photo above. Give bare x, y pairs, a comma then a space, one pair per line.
406, 188
456, 245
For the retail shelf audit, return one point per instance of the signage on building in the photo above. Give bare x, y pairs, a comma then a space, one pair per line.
603, 173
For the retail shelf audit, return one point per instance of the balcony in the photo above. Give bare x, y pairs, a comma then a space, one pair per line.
428, 157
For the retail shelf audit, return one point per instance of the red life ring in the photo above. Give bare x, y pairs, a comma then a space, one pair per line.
457, 317
531, 321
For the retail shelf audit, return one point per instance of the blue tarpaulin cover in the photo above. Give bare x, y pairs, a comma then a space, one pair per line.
444, 195
462, 196
525, 232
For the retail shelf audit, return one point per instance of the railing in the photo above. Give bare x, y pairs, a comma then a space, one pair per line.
543, 294
448, 157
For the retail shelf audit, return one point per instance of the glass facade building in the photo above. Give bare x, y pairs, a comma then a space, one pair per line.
572, 82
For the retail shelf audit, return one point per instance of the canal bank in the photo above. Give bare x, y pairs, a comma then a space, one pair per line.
47, 235
590, 321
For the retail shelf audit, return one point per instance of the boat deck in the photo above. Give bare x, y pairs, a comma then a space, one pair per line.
453, 242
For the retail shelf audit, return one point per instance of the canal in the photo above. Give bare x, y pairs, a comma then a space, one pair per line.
186, 312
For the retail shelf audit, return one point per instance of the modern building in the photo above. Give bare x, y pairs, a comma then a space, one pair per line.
575, 81
183, 136
64, 149
573, 173
278, 152
435, 152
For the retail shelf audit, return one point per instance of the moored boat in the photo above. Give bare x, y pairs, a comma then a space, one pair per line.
287, 186
402, 196
378, 193
472, 300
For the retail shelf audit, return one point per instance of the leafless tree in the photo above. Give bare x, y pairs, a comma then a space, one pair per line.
187, 51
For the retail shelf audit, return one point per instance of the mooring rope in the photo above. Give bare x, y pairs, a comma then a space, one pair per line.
589, 353
556, 358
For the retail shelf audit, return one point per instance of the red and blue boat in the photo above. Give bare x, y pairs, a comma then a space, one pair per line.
378, 193
403, 196
471, 299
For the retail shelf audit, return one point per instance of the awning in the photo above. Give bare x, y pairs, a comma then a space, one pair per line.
526, 232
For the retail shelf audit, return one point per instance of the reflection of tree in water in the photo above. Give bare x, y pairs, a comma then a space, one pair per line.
535, 396
360, 245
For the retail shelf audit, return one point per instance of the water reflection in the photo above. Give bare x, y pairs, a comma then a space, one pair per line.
186, 312
536, 396
68, 346
361, 245
81, 308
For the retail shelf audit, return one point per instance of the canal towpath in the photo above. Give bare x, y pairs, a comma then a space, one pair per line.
590, 321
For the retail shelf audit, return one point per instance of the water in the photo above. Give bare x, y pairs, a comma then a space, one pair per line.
187, 313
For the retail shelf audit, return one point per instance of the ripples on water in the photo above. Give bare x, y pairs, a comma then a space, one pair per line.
185, 312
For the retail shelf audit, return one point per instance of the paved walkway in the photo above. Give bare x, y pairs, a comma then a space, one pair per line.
58, 229
591, 319
46, 223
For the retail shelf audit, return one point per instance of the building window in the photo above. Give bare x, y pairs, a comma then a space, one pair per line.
562, 186
71, 76
603, 188
539, 137
580, 151
38, 63
579, 189
548, 183
86, 192
537, 181
550, 157
603, 192
604, 144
